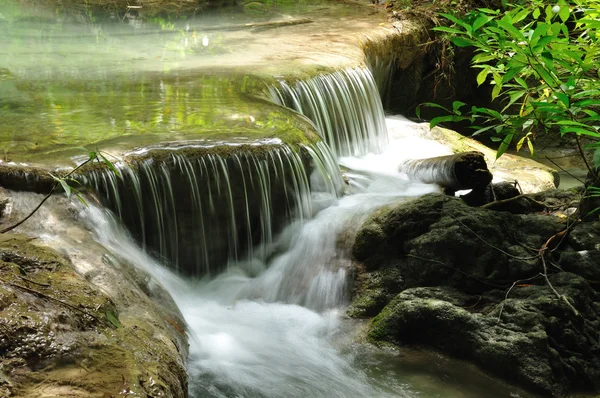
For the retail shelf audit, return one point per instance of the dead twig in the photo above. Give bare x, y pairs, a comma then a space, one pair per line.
508, 292
542, 253
565, 171
549, 246
504, 201
492, 246
34, 282
56, 185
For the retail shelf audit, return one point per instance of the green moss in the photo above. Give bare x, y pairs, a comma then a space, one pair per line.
61, 331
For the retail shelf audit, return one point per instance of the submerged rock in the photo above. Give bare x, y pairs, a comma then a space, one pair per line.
467, 281
62, 334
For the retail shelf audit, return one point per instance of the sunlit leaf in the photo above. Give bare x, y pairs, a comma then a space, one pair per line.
530, 146
110, 165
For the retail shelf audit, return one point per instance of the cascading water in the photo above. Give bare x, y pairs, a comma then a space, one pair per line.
199, 209
264, 236
271, 328
345, 107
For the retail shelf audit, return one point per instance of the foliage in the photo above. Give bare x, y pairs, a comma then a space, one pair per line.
67, 183
542, 62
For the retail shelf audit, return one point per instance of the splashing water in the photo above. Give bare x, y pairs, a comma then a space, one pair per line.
186, 208
272, 326
268, 327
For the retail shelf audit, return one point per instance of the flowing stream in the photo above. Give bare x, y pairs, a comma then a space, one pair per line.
273, 326
267, 262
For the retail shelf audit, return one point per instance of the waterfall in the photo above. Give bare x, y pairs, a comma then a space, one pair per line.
271, 327
345, 107
199, 207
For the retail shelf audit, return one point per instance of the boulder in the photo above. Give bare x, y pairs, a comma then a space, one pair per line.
439, 240
61, 334
529, 338
467, 282
3, 204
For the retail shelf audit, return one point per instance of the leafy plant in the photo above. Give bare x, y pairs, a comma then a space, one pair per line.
542, 61
67, 183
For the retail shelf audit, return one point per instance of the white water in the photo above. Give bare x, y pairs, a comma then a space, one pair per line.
275, 327
272, 328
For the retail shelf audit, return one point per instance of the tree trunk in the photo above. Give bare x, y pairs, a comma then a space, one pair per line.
465, 170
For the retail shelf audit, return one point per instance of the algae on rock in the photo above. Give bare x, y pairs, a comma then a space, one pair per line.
61, 335
467, 281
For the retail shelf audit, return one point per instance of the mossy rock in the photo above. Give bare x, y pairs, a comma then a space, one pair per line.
434, 272
62, 336
439, 240
531, 339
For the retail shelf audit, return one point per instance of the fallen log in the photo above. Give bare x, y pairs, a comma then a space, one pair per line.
465, 170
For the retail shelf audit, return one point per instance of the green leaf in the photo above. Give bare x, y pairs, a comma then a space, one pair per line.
496, 90
81, 199
457, 21
434, 105
505, 144
563, 98
520, 143
587, 102
110, 165
514, 32
564, 13
481, 76
112, 318
456, 105
512, 72
514, 97
589, 93
447, 29
491, 112
571, 123
481, 21
450, 118
540, 29
522, 83
530, 146
578, 130
544, 75
488, 11
483, 130
548, 60
462, 41
536, 13
542, 43
63, 183
483, 57
521, 15
596, 159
